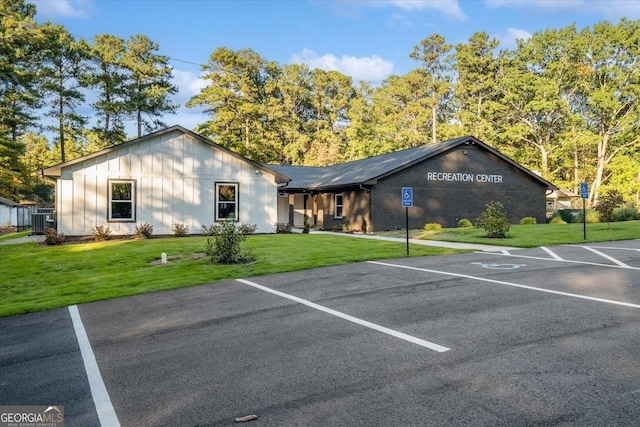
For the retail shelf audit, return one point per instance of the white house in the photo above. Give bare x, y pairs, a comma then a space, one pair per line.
169, 177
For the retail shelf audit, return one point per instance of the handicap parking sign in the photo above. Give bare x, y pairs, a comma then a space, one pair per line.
584, 190
407, 197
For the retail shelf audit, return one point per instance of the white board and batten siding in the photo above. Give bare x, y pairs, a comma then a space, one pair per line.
175, 176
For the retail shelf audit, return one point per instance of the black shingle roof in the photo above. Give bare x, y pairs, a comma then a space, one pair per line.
368, 171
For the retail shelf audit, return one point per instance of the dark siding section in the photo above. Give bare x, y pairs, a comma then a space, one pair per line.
355, 208
447, 201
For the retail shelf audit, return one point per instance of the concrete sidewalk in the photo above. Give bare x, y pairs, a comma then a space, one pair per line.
437, 243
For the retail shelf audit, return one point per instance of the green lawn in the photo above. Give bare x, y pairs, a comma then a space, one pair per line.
528, 236
35, 278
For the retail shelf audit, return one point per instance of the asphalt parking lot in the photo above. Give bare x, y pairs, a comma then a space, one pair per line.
543, 336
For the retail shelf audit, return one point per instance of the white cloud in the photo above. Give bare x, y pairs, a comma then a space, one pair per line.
372, 69
508, 38
449, 8
188, 84
48, 9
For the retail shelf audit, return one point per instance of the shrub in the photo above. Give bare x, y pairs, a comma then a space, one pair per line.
346, 228
557, 220
433, 226
51, 237
494, 220
101, 232
364, 225
143, 231
464, 222
592, 217
283, 228
305, 230
180, 230
223, 247
626, 214
247, 229
207, 230
528, 220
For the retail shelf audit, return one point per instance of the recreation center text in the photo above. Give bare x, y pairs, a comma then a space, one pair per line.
464, 177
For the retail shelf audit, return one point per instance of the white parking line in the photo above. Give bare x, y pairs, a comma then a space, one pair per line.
550, 252
344, 316
515, 285
603, 255
104, 408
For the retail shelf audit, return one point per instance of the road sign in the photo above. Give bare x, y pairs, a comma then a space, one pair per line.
584, 190
407, 197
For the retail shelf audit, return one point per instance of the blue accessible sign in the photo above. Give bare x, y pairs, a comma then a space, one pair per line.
407, 197
584, 190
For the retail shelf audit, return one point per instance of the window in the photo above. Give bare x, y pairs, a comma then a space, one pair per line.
338, 210
122, 200
226, 201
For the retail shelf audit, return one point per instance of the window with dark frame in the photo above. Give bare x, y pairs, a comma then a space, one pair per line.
121, 200
226, 201
338, 206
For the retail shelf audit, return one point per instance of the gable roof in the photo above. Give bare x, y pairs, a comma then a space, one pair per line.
55, 171
368, 171
9, 202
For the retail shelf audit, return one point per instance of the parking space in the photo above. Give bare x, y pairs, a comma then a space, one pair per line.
543, 336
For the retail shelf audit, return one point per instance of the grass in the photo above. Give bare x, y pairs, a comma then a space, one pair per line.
36, 278
528, 236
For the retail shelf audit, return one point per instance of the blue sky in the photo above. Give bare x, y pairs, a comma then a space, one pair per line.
366, 39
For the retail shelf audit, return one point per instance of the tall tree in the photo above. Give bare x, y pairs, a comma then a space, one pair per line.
109, 77
477, 69
20, 47
149, 84
64, 69
609, 91
536, 82
294, 111
331, 93
435, 57
240, 84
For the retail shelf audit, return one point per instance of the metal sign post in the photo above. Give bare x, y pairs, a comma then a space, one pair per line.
407, 202
584, 193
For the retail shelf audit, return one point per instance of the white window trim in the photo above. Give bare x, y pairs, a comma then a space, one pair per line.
335, 205
237, 201
110, 182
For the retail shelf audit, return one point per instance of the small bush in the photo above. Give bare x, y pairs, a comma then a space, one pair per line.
364, 225
283, 228
557, 220
494, 220
51, 237
247, 229
592, 217
346, 228
464, 222
208, 230
101, 232
433, 226
223, 247
143, 231
528, 220
626, 214
306, 227
180, 230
